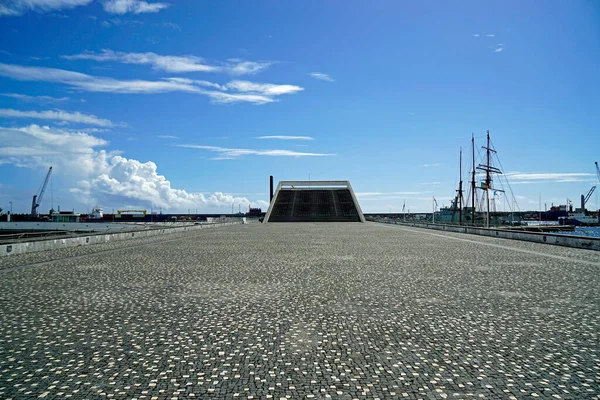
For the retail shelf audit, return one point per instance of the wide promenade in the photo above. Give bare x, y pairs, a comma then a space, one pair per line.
338, 310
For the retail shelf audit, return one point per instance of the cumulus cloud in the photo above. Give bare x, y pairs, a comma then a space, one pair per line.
256, 93
36, 99
132, 6
104, 177
140, 183
321, 76
174, 64
287, 137
57, 115
226, 153
20, 7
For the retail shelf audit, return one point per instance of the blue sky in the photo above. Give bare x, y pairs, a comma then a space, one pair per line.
193, 104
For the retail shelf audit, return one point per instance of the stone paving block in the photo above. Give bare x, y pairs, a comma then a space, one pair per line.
339, 311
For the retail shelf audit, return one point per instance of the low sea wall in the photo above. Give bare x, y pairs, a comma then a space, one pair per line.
53, 244
548, 238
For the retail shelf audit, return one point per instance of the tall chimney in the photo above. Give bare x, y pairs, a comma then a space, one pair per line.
271, 188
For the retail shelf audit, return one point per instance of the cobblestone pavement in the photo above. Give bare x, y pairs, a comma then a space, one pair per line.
348, 311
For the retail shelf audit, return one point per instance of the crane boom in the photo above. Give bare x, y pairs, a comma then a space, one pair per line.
597, 170
37, 199
589, 194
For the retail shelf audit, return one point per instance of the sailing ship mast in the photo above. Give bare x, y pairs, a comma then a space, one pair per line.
460, 191
489, 169
473, 181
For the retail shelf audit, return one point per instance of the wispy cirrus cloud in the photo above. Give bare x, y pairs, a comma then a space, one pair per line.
36, 99
321, 76
237, 66
521, 178
243, 91
227, 153
369, 194
20, 7
57, 115
431, 165
132, 6
174, 64
286, 137
265, 89
167, 137
499, 48
171, 25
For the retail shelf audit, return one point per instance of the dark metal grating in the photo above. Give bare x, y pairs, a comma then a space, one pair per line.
318, 205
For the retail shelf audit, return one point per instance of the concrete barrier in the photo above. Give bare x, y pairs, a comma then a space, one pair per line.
53, 244
579, 242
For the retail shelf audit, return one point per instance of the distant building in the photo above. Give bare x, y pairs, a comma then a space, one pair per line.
254, 212
65, 216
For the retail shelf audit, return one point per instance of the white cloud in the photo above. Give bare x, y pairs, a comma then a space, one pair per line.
267, 89
57, 115
174, 64
476, 35
36, 99
498, 50
226, 154
226, 98
548, 176
102, 177
35, 145
132, 6
321, 76
237, 66
171, 25
167, 137
490, 35
256, 93
520, 178
431, 165
379, 194
91, 83
20, 7
287, 137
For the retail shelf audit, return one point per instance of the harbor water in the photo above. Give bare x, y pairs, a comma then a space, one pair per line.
589, 231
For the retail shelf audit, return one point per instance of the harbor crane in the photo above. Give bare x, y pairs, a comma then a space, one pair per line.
37, 198
585, 198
